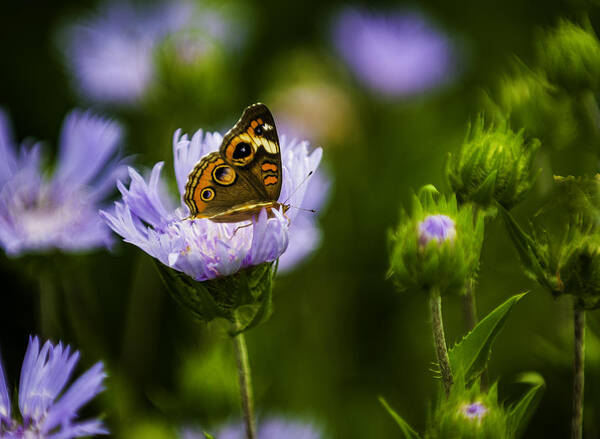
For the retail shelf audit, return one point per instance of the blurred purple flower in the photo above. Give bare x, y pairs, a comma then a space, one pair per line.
203, 249
38, 213
44, 414
438, 228
273, 428
396, 54
111, 54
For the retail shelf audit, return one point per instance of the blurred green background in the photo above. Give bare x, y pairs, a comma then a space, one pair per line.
340, 335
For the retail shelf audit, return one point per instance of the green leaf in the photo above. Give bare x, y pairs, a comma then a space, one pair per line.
520, 414
407, 430
208, 436
470, 356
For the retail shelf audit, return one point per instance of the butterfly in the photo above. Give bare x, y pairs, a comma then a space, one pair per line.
242, 178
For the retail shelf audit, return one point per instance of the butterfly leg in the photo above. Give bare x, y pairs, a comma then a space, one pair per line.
241, 227
289, 221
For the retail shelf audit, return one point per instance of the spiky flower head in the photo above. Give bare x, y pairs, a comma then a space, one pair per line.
570, 56
436, 245
47, 409
494, 164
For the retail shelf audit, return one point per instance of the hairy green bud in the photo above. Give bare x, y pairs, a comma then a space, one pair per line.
469, 414
436, 245
494, 164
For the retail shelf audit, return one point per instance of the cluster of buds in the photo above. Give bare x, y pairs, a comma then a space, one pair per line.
437, 245
493, 165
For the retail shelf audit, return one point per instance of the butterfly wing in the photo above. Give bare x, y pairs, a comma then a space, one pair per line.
214, 187
252, 148
242, 178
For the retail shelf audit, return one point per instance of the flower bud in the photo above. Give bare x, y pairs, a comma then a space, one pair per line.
469, 413
579, 269
494, 164
569, 264
570, 56
437, 245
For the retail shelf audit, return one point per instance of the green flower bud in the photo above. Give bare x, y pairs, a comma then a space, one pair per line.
570, 56
469, 413
570, 265
579, 260
243, 298
494, 164
579, 269
437, 245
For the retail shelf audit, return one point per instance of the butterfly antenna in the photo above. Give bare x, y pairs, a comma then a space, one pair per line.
303, 209
296, 190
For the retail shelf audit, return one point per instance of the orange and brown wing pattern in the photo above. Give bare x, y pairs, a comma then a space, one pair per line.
253, 145
213, 187
243, 177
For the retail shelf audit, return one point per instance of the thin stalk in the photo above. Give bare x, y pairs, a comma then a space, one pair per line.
48, 296
470, 305
578, 376
439, 339
244, 376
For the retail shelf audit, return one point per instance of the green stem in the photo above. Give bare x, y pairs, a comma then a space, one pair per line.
578, 376
470, 305
439, 339
48, 296
243, 367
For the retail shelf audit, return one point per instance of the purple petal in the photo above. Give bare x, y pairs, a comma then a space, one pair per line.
87, 142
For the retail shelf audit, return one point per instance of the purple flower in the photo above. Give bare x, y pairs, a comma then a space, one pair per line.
395, 54
274, 428
45, 414
474, 411
203, 249
111, 54
38, 212
438, 228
